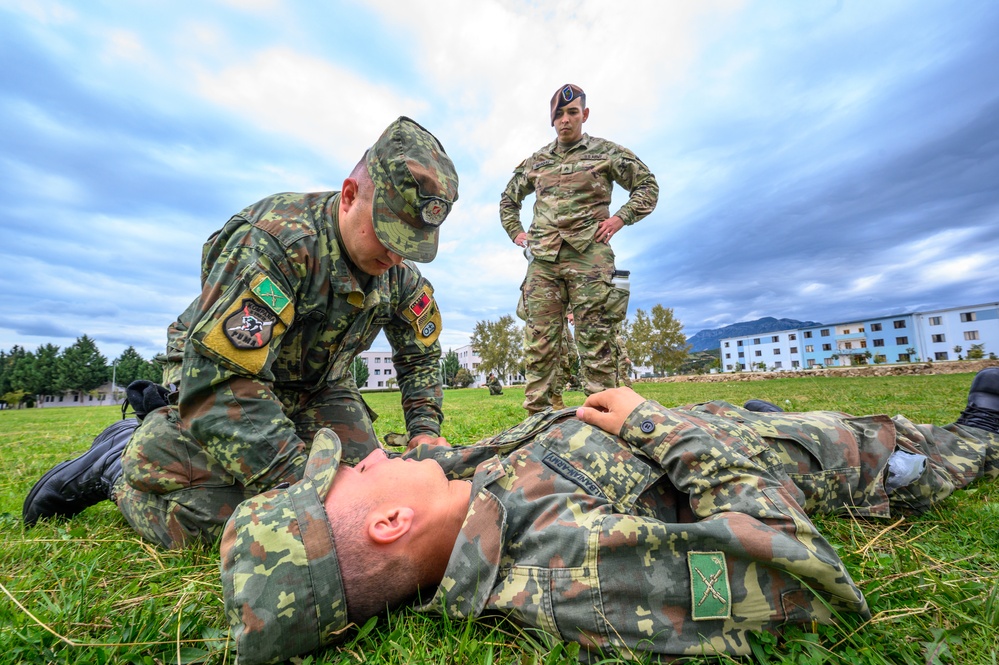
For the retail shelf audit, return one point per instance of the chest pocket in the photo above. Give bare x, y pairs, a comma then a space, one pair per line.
599, 464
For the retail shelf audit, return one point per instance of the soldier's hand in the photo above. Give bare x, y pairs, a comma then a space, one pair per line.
608, 410
521, 239
607, 228
427, 439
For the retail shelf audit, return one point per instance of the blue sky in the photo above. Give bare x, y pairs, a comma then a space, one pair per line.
819, 161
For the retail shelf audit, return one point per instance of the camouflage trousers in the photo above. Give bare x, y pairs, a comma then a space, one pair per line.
623, 361
582, 282
567, 355
173, 491
839, 462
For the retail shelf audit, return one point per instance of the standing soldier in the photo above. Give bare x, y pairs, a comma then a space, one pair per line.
572, 179
293, 288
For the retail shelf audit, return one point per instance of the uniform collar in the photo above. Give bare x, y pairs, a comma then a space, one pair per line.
475, 560
584, 142
342, 281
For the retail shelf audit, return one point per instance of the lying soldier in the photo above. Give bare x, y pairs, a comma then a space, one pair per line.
624, 526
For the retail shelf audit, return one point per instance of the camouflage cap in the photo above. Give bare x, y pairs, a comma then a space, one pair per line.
564, 95
415, 187
280, 574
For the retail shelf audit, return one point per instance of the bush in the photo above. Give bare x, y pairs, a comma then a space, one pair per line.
463, 378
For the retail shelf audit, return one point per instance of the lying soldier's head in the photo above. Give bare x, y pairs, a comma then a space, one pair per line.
302, 563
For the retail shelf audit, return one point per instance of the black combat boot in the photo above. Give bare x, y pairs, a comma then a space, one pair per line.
77, 484
983, 402
762, 406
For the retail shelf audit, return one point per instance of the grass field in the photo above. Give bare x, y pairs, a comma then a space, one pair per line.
87, 590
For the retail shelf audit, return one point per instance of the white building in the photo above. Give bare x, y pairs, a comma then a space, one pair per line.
102, 396
942, 334
380, 370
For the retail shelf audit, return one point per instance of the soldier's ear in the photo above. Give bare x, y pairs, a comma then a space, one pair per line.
586, 114
348, 194
388, 524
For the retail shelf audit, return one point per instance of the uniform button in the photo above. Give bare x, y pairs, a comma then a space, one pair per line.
647, 426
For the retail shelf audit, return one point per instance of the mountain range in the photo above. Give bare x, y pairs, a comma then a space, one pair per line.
707, 340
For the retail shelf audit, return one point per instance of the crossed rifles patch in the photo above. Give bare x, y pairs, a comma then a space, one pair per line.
710, 594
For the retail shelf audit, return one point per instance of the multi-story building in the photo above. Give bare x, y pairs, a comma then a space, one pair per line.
380, 370
943, 334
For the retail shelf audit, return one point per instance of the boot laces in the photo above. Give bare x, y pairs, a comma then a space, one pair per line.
976, 416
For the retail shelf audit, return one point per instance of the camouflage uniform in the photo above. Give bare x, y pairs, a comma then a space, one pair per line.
567, 353
246, 416
573, 195
686, 531
623, 361
494, 385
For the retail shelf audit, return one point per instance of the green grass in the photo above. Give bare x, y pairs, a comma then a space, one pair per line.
87, 590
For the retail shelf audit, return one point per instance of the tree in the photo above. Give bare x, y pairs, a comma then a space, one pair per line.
638, 341
45, 377
449, 367
359, 369
463, 378
668, 345
976, 352
82, 367
500, 345
131, 367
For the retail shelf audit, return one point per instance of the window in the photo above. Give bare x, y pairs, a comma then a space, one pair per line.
776, 352
940, 355
381, 384
860, 329
938, 338
971, 334
777, 365
875, 327
808, 334
794, 349
728, 355
759, 353
388, 372
756, 340
795, 364
726, 346
879, 342
775, 338
378, 372
863, 343
728, 367
739, 343
846, 331
827, 347
792, 337
741, 354
903, 357
847, 345
824, 332
899, 341
880, 358
934, 320
967, 317
829, 362
898, 324
378, 360
809, 348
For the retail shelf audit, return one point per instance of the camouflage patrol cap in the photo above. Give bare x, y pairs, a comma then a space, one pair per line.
415, 187
280, 575
564, 95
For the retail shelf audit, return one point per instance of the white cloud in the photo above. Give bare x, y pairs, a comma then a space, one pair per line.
332, 110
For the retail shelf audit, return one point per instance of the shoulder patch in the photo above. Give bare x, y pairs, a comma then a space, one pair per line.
424, 316
270, 294
710, 593
243, 334
251, 326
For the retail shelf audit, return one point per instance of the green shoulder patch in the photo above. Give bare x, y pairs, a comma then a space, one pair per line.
269, 294
710, 593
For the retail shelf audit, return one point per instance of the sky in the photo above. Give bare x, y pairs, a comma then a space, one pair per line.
820, 161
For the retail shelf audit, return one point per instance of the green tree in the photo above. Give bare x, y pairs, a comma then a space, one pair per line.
668, 345
130, 367
449, 367
638, 341
82, 367
359, 369
463, 378
976, 352
45, 375
500, 345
